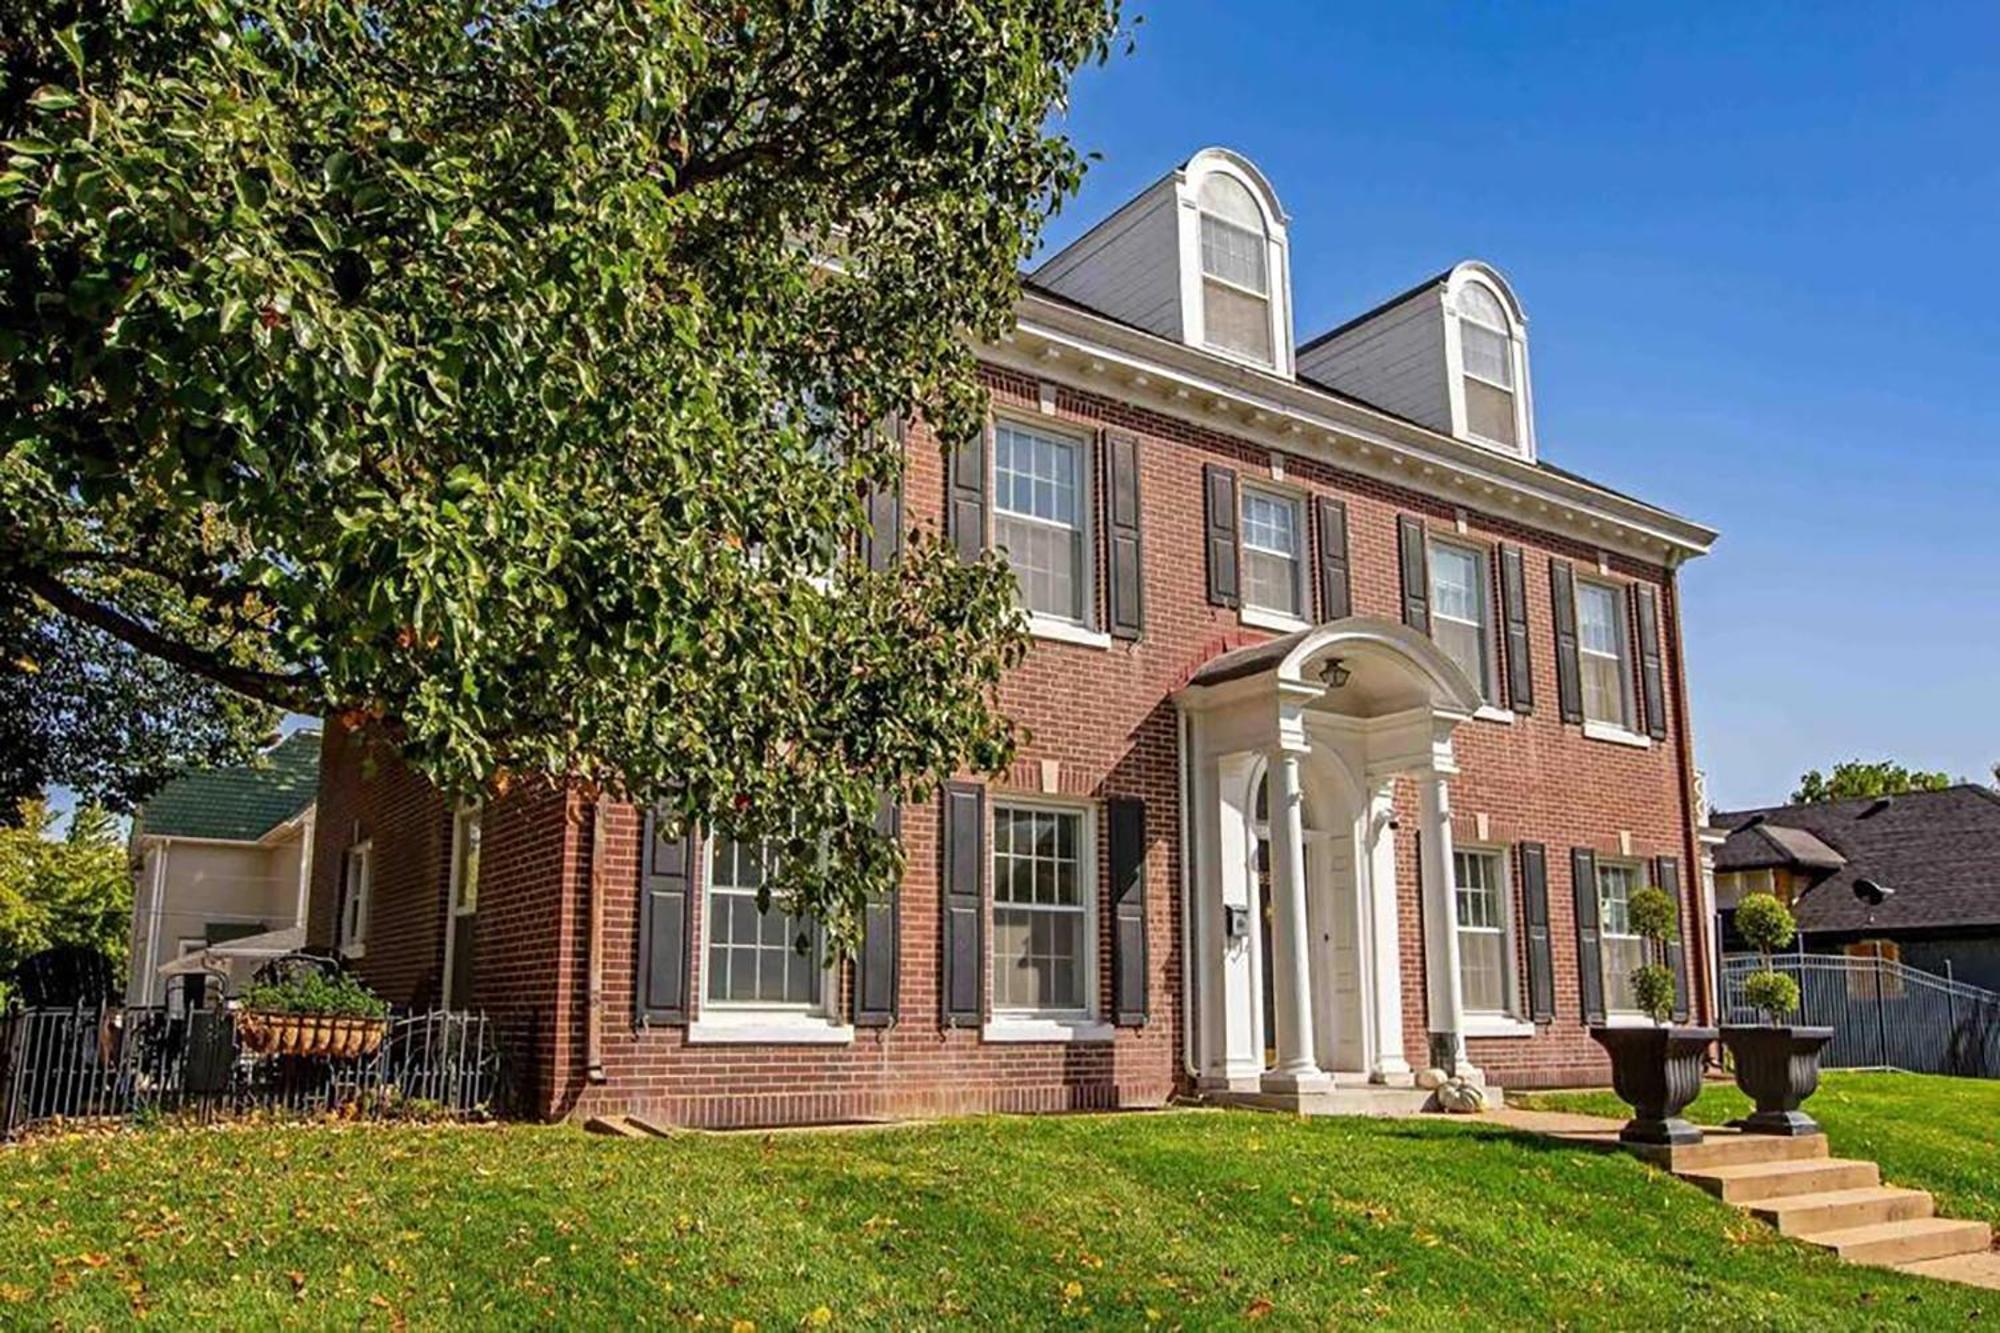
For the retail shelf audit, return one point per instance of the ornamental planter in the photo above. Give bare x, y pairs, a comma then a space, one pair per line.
1777, 1068
1657, 1072
330, 1036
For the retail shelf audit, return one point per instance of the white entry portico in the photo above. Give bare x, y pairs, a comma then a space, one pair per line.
1293, 748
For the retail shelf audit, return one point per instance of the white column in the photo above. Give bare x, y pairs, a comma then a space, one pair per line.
1384, 944
1232, 1057
1445, 1000
1291, 946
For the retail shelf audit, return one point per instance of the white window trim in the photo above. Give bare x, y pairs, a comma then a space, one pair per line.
1498, 1022
1603, 729
1489, 608
1047, 624
755, 1020
354, 944
1049, 1024
1271, 617
1517, 356
1640, 880
1494, 713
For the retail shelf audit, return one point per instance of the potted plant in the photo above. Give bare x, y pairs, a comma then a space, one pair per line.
1655, 1070
1777, 1065
313, 1013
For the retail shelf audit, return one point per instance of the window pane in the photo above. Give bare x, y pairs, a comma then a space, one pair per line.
1482, 984
753, 956
1478, 889
1234, 254
1236, 321
1487, 354
1482, 942
1458, 609
1489, 412
1038, 509
1601, 654
1597, 618
1039, 914
1476, 302
1272, 547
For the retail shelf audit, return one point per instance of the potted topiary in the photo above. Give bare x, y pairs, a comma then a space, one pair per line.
313, 1013
1655, 1070
1777, 1065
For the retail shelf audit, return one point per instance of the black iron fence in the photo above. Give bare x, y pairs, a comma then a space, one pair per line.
96, 1063
1884, 1015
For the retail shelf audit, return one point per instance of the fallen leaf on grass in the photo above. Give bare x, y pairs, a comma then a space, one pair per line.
1257, 1309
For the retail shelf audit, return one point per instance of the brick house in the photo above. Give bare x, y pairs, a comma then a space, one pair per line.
1352, 726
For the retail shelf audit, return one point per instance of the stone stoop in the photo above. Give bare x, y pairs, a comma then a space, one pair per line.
1833, 1202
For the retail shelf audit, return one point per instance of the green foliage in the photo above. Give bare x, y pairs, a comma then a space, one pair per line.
500, 378
1855, 779
1654, 916
1765, 923
341, 995
75, 889
1653, 991
1772, 993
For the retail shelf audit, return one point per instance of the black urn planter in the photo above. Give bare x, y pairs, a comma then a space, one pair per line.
1657, 1072
1777, 1068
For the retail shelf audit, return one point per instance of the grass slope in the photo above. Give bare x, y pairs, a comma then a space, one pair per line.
1926, 1131
1183, 1219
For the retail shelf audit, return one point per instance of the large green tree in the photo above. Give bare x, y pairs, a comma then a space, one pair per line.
507, 378
1854, 779
75, 888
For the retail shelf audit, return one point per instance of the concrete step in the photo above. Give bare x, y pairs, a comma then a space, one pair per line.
615, 1126
1776, 1180
1727, 1147
1806, 1215
1907, 1242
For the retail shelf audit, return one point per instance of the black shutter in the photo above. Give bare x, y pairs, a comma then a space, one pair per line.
1667, 875
1589, 965
1219, 486
1569, 675
1514, 615
875, 965
1127, 817
882, 541
1652, 693
1413, 554
665, 875
965, 498
1336, 598
1534, 860
962, 960
1127, 601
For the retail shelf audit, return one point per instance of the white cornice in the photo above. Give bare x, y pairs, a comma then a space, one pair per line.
1058, 342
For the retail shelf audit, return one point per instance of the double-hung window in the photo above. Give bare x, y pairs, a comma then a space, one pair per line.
1235, 269
1043, 875
766, 959
1485, 954
1461, 611
1620, 948
1486, 348
1603, 654
356, 884
1273, 553
1041, 495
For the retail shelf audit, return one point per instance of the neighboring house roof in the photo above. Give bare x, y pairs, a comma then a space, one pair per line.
241, 803
1938, 851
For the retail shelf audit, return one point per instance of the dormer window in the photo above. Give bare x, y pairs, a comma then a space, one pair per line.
1486, 344
1235, 269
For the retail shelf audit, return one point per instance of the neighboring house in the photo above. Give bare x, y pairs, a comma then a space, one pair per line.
1353, 727
1938, 852
222, 855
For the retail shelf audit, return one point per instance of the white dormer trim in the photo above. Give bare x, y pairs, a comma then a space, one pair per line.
1278, 269
1470, 273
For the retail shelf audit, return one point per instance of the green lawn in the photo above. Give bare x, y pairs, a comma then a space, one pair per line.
1194, 1219
1929, 1132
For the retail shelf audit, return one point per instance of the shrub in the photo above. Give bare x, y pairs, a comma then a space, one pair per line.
1764, 922
340, 996
1653, 990
1773, 993
1654, 916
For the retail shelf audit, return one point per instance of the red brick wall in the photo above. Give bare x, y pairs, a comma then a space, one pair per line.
1106, 718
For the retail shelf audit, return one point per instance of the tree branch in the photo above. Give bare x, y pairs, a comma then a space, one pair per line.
287, 691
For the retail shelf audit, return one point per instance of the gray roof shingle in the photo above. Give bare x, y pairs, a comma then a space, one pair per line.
240, 803
1939, 851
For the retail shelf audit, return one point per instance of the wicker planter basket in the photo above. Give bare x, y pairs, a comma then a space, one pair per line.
332, 1036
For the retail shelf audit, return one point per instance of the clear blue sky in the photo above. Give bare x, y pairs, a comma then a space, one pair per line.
1759, 246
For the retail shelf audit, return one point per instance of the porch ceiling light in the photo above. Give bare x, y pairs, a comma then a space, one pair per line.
1334, 672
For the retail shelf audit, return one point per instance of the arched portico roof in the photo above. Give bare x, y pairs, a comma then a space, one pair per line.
1386, 662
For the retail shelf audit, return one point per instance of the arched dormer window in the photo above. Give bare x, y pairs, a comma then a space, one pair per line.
1486, 351
1235, 268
